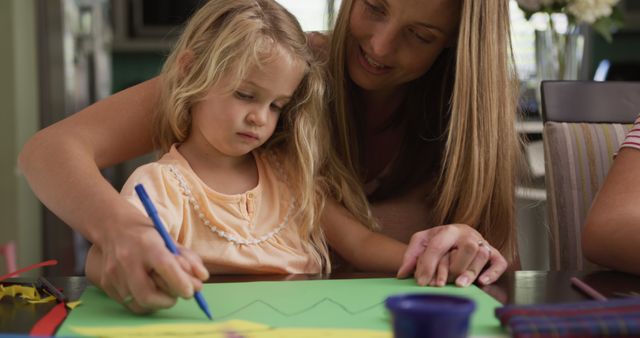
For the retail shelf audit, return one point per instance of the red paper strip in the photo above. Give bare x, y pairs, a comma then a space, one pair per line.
48, 324
30, 267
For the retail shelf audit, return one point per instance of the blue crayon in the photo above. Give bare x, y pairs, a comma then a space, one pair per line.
157, 223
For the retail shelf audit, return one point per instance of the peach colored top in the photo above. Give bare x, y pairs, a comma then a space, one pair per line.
249, 233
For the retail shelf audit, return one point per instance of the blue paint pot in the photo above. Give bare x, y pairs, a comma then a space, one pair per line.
430, 316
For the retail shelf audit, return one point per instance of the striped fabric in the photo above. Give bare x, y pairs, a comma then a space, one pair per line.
611, 318
633, 138
577, 158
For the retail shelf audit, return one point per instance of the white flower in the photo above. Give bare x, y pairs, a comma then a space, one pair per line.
590, 10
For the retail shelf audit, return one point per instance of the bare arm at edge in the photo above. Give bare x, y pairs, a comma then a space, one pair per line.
612, 230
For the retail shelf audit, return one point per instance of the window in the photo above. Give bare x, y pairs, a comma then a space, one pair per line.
523, 40
314, 15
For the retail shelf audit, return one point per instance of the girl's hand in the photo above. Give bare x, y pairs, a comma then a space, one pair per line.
136, 269
454, 252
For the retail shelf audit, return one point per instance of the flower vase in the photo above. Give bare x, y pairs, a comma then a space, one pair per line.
559, 55
559, 51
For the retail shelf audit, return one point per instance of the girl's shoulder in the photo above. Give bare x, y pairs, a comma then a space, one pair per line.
159, 172
149, 171
153, 176
273, 162
268, 155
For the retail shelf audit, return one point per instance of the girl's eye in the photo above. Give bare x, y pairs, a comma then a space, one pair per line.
243, 96
419, 36
276, 108
378, 10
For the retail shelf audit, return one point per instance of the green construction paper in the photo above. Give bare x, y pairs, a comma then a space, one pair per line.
346, 303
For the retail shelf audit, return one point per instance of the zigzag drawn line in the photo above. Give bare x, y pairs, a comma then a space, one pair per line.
291, 314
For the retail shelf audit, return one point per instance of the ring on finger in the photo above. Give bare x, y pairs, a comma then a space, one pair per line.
128, 299
483, 244
489, 251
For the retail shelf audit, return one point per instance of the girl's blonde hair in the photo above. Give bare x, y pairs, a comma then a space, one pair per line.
227, 38
465, 107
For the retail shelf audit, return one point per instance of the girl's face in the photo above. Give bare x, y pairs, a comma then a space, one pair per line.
393, 42
237, 122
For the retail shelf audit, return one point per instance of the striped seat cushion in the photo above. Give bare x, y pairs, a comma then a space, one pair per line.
577, 158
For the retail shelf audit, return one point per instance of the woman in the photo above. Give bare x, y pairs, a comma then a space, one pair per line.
411, 79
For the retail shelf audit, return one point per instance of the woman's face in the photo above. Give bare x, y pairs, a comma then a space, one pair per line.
392, 42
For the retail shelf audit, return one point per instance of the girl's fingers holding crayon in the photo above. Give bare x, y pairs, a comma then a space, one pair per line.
121, 266
184, 264
194, 264
135, 308
189, 269
147, 295
119, 294
161, 284
169, 268
130, 303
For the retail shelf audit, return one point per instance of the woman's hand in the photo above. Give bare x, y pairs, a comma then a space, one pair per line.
136, 269
454, 252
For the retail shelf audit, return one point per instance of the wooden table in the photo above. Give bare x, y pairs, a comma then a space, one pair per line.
520, 287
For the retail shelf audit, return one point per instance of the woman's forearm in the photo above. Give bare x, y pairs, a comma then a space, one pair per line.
380, 253
62, 162
366, 250
67, 180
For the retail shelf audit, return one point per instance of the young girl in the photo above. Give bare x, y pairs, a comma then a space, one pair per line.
245, 137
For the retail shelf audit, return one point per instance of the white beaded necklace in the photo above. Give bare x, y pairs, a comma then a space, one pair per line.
239, 241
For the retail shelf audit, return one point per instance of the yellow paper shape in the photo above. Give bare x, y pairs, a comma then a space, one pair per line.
318, 333
73, 305
232, 328
42, 300
28, 293
172, 330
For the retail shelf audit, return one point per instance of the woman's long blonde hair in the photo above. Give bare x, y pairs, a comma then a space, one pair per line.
477, 92
226, 38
